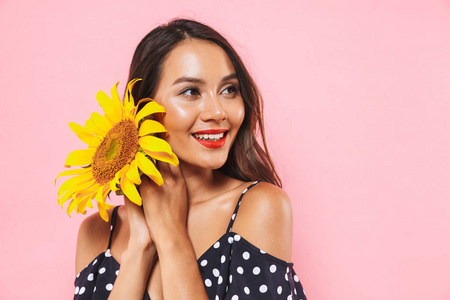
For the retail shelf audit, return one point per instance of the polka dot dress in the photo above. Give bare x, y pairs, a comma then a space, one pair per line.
232, 268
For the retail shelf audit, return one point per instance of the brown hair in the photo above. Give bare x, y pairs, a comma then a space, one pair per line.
247, 160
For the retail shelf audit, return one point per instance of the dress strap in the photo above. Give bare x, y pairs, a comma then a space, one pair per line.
233, 217
113, 222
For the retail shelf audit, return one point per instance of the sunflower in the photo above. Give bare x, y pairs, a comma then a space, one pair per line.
121, 146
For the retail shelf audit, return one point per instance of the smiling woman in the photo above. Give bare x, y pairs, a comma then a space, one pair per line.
187, 240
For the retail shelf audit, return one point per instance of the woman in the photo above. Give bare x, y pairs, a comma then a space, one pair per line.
187, 240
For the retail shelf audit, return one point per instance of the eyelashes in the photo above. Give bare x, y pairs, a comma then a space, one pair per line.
194, 92
191, 91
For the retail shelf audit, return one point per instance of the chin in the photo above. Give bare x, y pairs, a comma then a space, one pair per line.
212, 164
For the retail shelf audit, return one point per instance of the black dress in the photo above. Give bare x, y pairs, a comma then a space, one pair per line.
232, 268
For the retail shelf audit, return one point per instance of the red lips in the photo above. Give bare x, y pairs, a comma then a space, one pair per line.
212, 144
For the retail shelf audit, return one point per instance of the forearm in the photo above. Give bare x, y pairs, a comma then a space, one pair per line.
135, 268
179, 264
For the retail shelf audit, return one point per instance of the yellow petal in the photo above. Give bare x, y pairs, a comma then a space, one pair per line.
159, 149
73, 182
73, 172
86, 197
154, 144
111, 112
149, 168
149, 108
74, 192
129, 101
80, 157
170, 158
129, 189
101, 205
133, 173
81, 207
151, 126
98, 125
85, 135
116, 100
68, 195
71, 206
116, 181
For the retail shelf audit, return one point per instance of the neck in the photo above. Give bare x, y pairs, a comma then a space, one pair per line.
201, 183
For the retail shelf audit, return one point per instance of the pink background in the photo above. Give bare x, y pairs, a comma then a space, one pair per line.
357, 106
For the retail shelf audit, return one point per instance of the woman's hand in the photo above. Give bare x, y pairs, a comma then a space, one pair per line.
165, 210
138, 258
140, 237
165, 206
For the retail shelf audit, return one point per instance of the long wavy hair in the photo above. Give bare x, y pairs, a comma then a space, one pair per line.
247, 160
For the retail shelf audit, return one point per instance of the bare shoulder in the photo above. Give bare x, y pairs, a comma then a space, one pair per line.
265, 220
93, 237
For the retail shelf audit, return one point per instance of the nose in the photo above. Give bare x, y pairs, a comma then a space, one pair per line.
213, 109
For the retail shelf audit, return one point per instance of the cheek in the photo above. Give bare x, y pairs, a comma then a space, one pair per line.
178, 118
238, 115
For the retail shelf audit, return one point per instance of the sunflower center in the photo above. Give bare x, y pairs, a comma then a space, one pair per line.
117, 149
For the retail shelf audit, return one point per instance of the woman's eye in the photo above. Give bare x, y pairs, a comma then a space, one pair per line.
232, 89
190, 92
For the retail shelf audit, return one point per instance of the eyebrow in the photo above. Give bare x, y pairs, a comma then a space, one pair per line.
201, 81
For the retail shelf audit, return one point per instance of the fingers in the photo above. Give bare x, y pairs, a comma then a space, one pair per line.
169, 171
133, 209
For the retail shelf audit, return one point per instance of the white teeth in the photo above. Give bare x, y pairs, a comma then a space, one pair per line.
209, 137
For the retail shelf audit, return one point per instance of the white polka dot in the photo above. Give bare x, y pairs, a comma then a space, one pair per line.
204, 263
231, 278
230, 240
220, 280
216, 272
208, 283
286, 277
263, 288
273, 269
237, 237
246, 255
95, 261
295, 291
240, 270
235, 297
216, 298
262, 251
95, 288
109, 286
111, 227
217, 245
256, 270
226, 288
77, 289
108, 253
81, 292
117, 273
289, 297
78, 275
296, 278
102, 270
247, 290
233, 216
287, 270
90, 277
279, 290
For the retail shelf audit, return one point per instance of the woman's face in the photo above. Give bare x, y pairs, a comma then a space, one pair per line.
204, 109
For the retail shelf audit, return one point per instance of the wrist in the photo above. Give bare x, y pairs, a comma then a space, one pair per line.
139, 253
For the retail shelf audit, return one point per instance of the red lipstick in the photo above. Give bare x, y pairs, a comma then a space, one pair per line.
209, 143
211, 131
